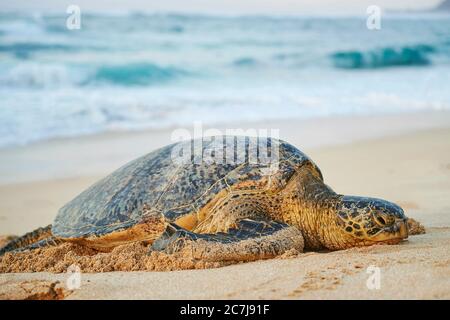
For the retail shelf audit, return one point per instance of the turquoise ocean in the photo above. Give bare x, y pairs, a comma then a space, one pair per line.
136, 71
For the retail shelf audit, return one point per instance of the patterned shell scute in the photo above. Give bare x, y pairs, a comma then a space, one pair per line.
116, 201
297, 158
161, 184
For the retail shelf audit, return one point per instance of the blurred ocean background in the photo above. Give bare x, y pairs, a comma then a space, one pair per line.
141, 71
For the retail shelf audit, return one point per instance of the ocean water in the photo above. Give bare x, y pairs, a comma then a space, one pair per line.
138, 71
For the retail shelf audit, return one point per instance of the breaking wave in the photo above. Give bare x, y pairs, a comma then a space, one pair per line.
383, 58
136, 74
35, 75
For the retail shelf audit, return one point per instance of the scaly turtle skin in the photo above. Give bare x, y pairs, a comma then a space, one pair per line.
226, 203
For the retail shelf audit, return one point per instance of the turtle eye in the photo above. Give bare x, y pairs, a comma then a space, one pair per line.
382, 219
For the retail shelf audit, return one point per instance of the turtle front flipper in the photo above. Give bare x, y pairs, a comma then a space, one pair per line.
250, 240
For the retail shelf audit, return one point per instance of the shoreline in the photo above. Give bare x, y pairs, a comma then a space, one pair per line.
102, 153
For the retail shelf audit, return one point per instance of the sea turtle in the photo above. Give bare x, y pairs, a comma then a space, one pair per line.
218, 196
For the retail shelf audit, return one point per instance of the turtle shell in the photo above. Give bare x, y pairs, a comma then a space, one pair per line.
176, 180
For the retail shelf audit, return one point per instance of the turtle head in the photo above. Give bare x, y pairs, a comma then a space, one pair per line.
365, 221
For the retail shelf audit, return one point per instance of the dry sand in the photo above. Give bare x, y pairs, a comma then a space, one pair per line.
410, 167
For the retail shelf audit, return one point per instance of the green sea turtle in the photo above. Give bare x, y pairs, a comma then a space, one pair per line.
217, 196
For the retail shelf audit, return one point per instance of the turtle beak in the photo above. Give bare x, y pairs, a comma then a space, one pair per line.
403, 229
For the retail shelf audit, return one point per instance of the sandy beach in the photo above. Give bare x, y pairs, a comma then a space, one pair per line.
402, 158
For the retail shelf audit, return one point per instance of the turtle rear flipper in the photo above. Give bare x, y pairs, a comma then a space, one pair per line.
250, 240
46, 242
27, 240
